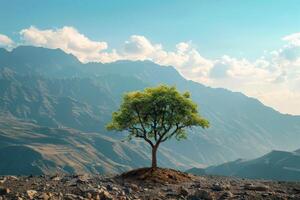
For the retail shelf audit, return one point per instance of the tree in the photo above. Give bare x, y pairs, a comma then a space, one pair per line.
156, 115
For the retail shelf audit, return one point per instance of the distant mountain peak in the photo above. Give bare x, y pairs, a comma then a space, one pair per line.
297, 151
2, 50
39, 53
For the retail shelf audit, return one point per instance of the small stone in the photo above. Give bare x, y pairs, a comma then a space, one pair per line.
261, 188
71, 197
104, 195
127, 190
109, 187
31, 193
201, 194
97, 197
82, 179
89, 195
226, 195
217, 187
13, 178
134, 187
44, 196
4, 191
182, 191
297, 190
264, 194
55, 178
2, 180
220, 187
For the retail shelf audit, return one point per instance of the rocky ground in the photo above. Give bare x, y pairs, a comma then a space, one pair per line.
143, 184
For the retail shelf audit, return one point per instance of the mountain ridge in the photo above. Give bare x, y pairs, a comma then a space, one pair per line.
275, 165
82, 96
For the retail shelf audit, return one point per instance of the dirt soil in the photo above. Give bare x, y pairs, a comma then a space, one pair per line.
140, 184
158, 175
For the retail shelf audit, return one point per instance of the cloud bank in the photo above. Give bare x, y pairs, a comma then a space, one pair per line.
5, 41
273, 78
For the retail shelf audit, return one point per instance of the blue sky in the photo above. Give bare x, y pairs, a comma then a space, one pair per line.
250, 46
235, 27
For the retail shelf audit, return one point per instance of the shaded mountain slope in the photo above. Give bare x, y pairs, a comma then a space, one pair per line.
276, 165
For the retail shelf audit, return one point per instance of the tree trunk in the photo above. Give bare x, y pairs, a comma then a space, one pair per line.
154, 160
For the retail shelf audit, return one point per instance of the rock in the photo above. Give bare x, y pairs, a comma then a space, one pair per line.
89, 195
109, 187
2, 180
297, 190
226, 195
4, 191
261, 188
134, 187
44, 196
127, 190
104, 195
71, 197
182, 191
82, 179
220, 187
55, 178
201, 194
31, 193
72, 183
97, 197
12, 178
265, 195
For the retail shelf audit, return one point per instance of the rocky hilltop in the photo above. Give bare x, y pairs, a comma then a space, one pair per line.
143, 184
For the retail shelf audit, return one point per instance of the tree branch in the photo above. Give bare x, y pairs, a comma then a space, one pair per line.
143, 127
178, 127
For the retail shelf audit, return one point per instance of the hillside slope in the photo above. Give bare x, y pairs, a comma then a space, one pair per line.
27, 148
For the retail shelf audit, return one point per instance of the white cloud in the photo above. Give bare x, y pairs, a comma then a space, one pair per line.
5, 41
293, 39
139, 47
185, 58
69, 40
274, 78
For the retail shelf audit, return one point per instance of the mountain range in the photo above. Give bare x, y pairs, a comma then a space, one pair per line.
276, 165
54, 110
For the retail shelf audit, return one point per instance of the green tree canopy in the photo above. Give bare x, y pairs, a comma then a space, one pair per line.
156, 115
